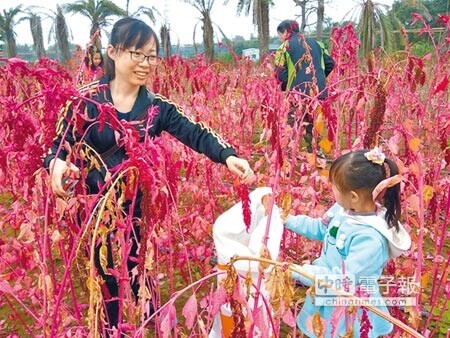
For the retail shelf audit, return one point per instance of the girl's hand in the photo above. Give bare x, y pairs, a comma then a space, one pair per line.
60, 172
286, 205
284, 216
241, 168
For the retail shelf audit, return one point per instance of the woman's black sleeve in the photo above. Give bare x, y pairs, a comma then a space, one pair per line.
172, 119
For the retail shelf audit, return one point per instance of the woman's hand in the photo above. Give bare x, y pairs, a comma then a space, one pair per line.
241, 168
59, 171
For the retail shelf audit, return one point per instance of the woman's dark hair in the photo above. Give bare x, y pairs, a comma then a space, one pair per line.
126, 33
89, 57
290, 26
354, 172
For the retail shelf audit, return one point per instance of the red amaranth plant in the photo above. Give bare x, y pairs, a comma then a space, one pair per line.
242, 192
44, 250
376, 116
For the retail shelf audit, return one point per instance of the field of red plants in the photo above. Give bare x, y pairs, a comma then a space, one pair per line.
48, 286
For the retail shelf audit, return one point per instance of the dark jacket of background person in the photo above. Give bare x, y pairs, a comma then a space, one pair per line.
302, 64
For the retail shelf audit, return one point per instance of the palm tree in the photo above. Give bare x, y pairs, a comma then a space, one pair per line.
62, 35
59, 33
308, 7
372, 21
304, 10
320, 15
205, 7
147, 12
7, 23
165, 40
260, 19
127, 7
98, 12
36, 32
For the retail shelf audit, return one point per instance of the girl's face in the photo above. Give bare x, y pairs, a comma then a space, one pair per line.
342, 198
96, 59
134, 65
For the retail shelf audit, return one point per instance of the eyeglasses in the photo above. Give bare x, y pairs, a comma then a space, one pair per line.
141, 57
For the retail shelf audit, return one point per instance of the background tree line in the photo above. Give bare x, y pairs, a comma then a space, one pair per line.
377, 25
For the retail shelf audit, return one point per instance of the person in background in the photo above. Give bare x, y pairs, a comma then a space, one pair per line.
301, 65
92, 65
131, 57
360, 233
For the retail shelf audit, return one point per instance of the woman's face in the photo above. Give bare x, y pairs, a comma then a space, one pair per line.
283, 36
134, 65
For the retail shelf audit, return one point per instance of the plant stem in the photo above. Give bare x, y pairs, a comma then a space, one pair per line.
352, 297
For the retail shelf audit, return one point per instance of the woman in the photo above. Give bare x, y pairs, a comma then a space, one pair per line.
302, 65
131, 57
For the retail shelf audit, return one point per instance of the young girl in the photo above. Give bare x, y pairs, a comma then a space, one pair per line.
93, 65
359, 236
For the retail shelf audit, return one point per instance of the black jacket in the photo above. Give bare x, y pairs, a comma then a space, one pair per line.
302, 64
170, 118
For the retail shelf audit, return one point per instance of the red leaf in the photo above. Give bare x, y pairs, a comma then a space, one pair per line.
444, 19
218, 299
441, 86
416, 17
261, 322
190, 311
289, 319
169, 320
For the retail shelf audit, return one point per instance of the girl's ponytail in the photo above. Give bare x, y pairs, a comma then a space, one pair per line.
391, 199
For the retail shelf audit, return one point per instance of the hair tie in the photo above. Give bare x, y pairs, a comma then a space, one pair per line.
375, 155
387, 169
386, 184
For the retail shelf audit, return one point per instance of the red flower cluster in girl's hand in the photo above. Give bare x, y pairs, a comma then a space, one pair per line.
242, 191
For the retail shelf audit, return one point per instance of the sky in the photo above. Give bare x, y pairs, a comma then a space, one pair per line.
181, 18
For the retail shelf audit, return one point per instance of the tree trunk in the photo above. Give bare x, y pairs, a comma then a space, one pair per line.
320, 15
165, 41
303, 16
62, 36
302, 5
11, 44
38, 39
262, 21
208, 37
367, 28
95, 36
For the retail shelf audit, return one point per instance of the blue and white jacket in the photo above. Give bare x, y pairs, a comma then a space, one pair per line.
357, 245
